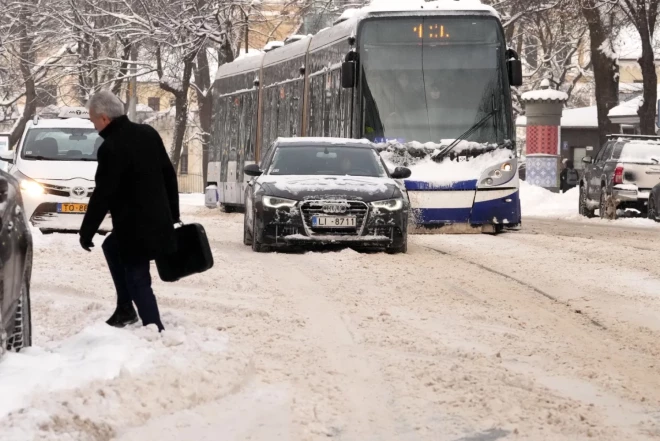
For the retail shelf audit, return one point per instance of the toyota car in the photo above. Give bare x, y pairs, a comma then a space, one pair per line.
55, 163
319, 191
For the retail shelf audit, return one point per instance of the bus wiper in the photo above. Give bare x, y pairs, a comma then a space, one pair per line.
444, 152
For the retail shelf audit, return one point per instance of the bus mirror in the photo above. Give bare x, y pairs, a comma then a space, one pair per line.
348, 71
515, 72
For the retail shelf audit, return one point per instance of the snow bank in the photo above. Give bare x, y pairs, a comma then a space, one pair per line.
539, 202
192, 199
98, 352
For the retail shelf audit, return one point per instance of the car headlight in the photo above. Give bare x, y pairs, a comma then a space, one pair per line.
389, 204
29, 186
274, 202
499, 174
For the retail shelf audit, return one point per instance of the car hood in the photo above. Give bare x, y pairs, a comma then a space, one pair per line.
365, 189
58, 170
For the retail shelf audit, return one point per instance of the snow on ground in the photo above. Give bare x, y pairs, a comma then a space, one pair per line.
541, 203
534, 335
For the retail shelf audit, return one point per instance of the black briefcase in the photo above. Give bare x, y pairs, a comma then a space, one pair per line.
193, 254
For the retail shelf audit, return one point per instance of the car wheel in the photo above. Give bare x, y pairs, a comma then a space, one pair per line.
583, 209
22, 335
403, 248
256, 246
247, 236
652, 211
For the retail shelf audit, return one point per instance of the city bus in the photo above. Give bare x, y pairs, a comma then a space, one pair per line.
428, 82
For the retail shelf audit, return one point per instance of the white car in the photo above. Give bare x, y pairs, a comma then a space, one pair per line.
55, 163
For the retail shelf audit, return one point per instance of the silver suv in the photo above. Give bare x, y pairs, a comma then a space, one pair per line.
621, 176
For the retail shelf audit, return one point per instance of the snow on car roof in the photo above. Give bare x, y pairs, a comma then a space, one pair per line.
323, 141
62, 122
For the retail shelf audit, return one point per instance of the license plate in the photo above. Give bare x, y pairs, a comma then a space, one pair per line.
71, 208
334, 221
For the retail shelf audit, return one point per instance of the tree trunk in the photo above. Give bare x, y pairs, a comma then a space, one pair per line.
647, 63
606, 69
181, 108
205, 103
27, 56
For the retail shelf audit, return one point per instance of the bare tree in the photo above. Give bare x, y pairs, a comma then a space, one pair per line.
602, 21
643, 14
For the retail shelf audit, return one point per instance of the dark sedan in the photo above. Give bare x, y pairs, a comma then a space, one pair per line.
15, 268
318, 191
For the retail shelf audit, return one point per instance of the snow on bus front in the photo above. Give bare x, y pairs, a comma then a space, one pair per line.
471, 188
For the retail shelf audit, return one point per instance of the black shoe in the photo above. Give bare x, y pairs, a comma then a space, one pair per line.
123, 315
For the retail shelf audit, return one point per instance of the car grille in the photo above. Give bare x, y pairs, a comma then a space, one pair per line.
355, 208
63, 191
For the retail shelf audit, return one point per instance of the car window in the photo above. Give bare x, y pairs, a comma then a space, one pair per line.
61, 144
601, 152
607, 154
266, 157
326, 160
640, 152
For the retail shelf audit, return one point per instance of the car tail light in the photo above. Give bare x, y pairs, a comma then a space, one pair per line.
618, 175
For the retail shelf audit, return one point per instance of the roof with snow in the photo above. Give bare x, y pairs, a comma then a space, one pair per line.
579, 118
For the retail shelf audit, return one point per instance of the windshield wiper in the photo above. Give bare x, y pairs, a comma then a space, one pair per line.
443, 153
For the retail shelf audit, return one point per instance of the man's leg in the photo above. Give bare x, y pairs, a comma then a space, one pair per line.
124, 313
138, 280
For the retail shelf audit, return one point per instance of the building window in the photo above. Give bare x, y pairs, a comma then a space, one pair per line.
154, 103
183, 162
46, 95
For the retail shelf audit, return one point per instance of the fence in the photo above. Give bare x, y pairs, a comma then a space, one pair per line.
191, 183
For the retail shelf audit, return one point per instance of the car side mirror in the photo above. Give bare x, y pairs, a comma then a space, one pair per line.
252, 170
7, 156
587, 160
401, 173
348, 71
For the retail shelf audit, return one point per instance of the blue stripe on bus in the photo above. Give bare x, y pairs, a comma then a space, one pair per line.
429, 186
487, 212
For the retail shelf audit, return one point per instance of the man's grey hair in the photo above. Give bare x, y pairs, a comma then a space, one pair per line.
106, 103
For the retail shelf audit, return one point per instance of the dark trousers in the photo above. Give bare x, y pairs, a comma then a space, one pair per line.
132, 282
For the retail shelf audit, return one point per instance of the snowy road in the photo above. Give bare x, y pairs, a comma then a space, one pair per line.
549, 333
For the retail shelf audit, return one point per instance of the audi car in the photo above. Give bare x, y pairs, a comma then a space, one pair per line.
15, 268
321, 191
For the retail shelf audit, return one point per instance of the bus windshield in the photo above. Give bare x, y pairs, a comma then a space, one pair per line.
431, 79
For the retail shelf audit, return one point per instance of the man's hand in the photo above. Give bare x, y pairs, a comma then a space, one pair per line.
86, 244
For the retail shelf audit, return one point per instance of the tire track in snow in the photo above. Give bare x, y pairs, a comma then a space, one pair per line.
519, 282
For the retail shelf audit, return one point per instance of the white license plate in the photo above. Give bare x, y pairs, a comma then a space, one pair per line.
334, 221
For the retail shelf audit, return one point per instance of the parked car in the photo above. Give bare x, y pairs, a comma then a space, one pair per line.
317, 191
55, 163
653, 211
621, 176
15, 268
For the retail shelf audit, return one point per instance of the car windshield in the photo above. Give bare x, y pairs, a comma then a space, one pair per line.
321, 160
646, 153
61, 144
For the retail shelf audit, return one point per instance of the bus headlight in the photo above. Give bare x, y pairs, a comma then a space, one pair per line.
499, 174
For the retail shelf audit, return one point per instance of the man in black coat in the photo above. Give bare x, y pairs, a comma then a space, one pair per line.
137, 184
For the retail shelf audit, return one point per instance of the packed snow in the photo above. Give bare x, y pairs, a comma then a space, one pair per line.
472, 328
